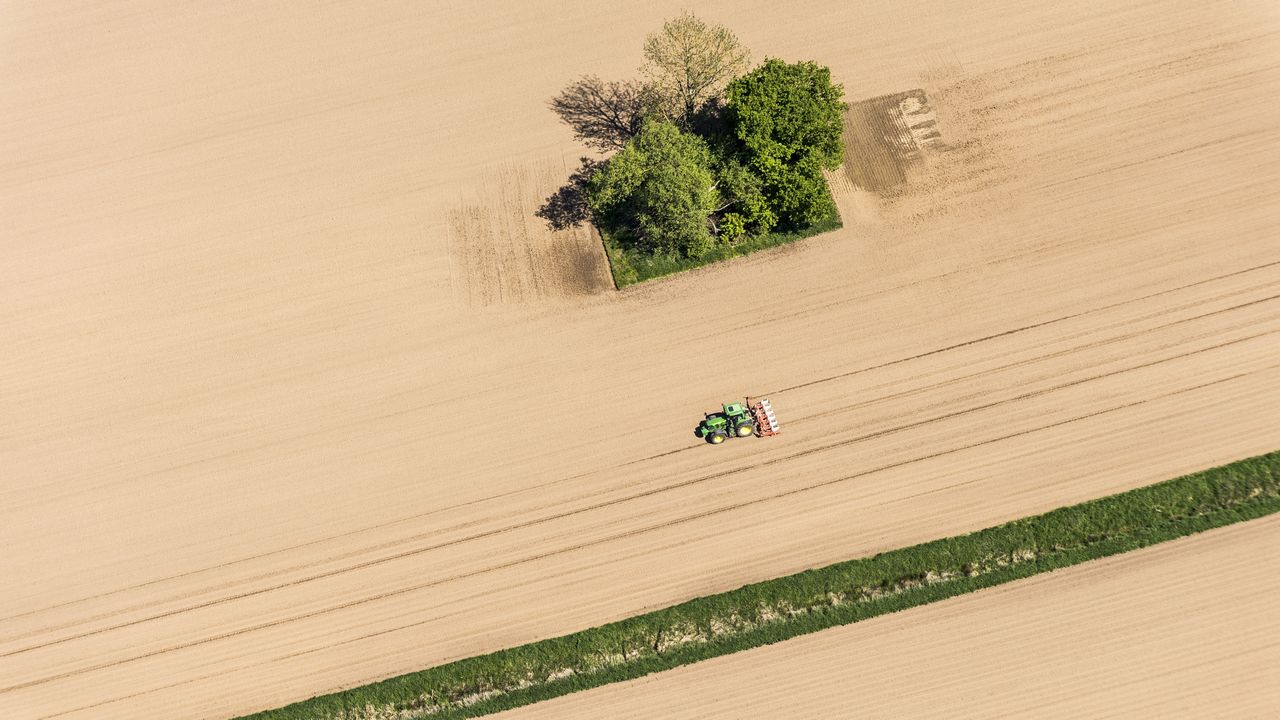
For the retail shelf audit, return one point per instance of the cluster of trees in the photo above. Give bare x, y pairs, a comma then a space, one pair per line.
703, 150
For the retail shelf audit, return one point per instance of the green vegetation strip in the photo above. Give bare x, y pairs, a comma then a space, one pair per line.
630, 267
780, 609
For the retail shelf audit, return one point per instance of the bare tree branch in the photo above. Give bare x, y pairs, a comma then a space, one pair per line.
690, 62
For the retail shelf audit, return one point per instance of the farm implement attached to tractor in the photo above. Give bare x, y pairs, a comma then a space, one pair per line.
739, 420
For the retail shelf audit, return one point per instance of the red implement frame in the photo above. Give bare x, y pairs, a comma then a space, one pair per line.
766, 421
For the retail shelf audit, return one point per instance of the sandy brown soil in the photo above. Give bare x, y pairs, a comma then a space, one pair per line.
255, 444
1183, 630
503, 253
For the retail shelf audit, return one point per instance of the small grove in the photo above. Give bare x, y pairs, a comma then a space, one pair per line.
709, 159
779, 609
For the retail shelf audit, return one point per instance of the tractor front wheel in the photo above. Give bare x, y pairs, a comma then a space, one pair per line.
716, 438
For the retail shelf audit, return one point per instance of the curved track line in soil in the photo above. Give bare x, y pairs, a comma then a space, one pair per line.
1006, 333
544, 485
647, 493
617, 536
579, 511
1040, 358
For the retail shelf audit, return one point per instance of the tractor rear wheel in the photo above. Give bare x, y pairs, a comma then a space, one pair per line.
746, 429
716, 437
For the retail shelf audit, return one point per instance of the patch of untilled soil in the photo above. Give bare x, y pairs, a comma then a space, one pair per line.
972, 155
884, 139
502, 253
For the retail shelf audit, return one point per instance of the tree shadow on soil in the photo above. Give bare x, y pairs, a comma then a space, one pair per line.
567, 206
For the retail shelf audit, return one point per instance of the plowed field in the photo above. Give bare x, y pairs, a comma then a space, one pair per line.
1183, 630
267, 429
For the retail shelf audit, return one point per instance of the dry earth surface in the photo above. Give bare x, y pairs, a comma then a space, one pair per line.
265, 432
1182, 630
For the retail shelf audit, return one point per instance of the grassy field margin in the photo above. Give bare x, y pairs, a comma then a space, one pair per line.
629, 268
776, 610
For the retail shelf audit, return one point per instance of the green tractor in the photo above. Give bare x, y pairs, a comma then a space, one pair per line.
733, 419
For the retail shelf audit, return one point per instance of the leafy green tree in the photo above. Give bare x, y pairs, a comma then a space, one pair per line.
789, 120
746, 207
732, 227
689, 63
659, 190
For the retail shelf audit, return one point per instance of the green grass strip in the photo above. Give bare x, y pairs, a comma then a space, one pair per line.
776, 610
629, 268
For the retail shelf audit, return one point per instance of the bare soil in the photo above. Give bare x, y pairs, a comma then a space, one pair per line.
269, 427
1184, 630
885, 138
504, 254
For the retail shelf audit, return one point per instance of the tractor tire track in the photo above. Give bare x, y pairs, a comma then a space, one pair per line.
795, 419
647, 493
598, 506
613, 538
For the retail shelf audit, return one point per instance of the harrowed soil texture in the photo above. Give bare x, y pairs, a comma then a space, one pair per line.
783, 608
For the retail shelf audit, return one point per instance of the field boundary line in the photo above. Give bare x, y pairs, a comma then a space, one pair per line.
776, 610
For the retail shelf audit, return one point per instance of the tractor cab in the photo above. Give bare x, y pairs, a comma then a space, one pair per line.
739, 420
734, 420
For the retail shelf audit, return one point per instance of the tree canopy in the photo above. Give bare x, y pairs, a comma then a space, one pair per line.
689, 62
704, 156
745, 206
659, 188
789, 119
